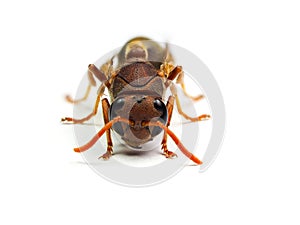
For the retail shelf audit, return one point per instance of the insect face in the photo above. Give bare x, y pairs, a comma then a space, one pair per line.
139, 110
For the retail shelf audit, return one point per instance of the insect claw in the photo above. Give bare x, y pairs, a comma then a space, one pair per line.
169, 154
106, 155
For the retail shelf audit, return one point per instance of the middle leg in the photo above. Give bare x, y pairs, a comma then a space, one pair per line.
178, 74
180, 111
93, 113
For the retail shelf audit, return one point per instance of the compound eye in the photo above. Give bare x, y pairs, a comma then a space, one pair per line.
116, 106
161, 107
113, 112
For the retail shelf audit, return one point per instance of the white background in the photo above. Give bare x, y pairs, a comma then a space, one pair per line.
253, 50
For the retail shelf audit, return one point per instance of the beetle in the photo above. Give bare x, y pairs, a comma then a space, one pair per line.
137, 87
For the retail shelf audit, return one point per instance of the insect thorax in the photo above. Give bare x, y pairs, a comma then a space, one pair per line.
137, 78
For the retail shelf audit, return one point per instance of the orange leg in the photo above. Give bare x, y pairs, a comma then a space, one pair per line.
159, 124
93, 113
178, 74
164, 147
86, 95
180, 81
105, 110
180, 111
92, 72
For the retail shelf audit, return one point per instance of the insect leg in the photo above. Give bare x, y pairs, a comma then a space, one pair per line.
168, 56
105, 110
75, 101
93, 113
193, 119
180, 81
178, 74
164, 147
92, 72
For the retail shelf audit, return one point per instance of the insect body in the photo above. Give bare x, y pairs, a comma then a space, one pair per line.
137, 87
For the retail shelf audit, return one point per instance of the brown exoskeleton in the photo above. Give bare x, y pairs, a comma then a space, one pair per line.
137, 87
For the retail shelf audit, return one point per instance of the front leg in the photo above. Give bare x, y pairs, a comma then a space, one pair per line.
105, 110
164, 147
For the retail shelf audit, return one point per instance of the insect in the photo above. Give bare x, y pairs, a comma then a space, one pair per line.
137, 86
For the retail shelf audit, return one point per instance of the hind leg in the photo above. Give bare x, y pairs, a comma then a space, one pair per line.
92, 72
